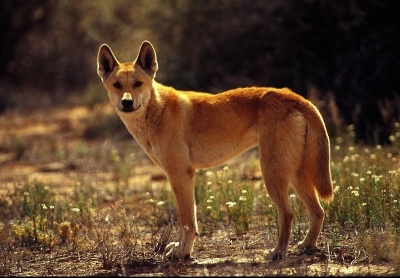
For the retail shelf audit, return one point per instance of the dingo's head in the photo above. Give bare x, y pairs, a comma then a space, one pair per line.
129, 85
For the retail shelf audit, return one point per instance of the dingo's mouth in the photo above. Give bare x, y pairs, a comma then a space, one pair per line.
127, 109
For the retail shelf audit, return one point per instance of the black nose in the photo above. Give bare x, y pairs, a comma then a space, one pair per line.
127, 100
127, 103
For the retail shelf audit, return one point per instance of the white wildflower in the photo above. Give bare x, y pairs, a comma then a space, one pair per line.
209, 173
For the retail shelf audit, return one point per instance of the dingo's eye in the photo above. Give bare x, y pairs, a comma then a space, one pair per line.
137, 84
117, 85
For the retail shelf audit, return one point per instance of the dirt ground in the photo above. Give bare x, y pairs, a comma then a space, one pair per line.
219, 255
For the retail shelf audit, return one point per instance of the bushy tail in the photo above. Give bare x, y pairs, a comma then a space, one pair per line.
316, 165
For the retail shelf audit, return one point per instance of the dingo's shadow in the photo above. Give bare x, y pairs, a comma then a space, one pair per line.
296, 265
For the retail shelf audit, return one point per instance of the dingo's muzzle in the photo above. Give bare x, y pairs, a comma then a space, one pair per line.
127, 103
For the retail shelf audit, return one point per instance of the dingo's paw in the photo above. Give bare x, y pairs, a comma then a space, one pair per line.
174, 251
275, 255
306, 249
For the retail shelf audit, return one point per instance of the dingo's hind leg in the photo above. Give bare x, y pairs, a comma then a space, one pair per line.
277, 185
278, 191
308, 195
281, 147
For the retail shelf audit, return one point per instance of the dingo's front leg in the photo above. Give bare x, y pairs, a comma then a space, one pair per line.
182, 184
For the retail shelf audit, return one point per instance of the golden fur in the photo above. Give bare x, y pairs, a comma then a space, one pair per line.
182, 131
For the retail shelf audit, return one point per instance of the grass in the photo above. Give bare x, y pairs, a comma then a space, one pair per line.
362, 223
367, 195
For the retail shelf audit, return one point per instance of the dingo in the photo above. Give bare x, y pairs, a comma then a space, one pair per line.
181, 131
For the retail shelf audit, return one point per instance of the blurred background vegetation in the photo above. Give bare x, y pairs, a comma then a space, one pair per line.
343, 54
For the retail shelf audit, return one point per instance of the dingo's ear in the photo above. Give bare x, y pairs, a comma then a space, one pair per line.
106, 62
147, 59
